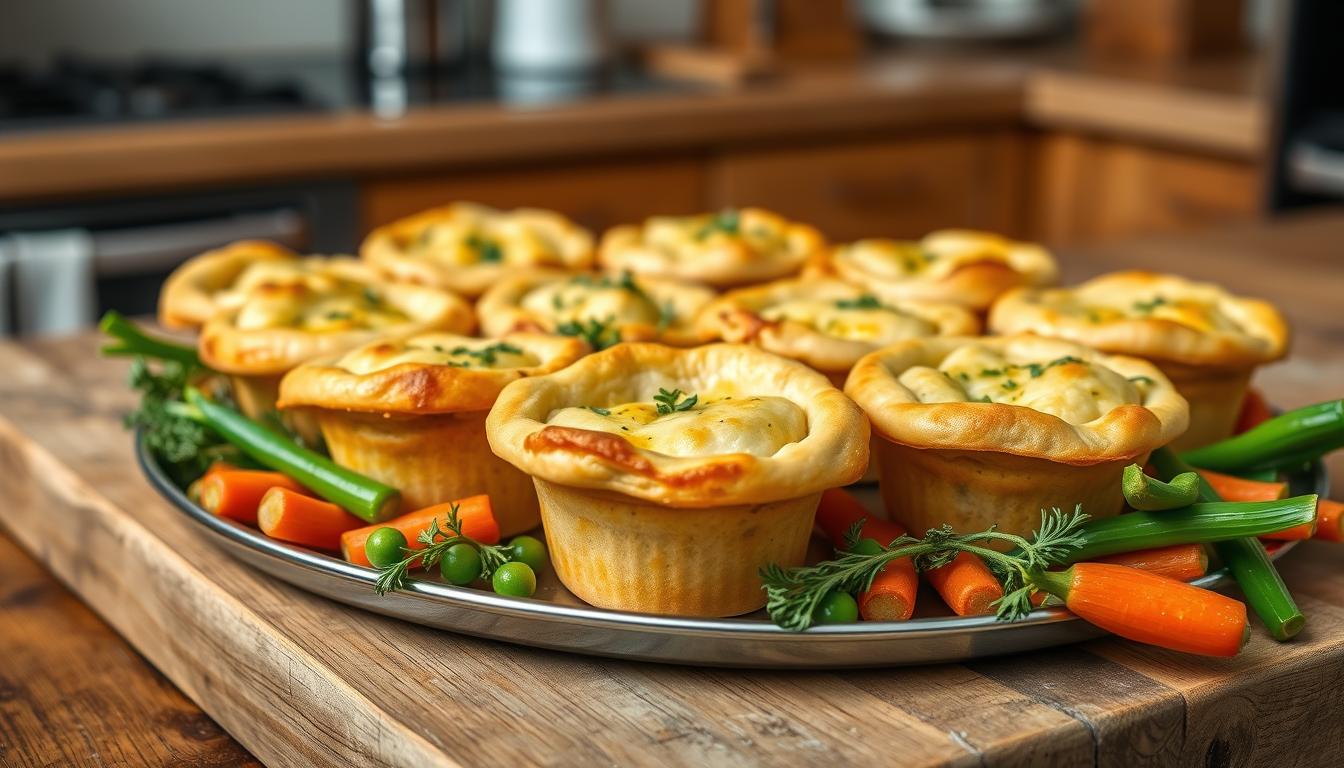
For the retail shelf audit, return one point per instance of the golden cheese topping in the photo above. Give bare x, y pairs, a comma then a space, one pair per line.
444, 349
479, 235
861, 319
687, 237
317, 304
939, 254
1198, 313
603, 298
1067, 387
711, 426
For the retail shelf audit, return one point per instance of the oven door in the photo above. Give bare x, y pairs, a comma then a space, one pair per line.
61, 267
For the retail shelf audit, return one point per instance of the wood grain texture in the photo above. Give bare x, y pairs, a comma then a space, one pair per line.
72, 693
299, 680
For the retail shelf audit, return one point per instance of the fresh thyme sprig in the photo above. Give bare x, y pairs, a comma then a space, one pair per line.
437, 541
667, 402
792, 594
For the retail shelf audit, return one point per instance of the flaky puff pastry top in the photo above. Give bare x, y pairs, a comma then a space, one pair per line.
281, 324
725, 249
602, 308
426, 373
467, 247
717, 425
828, 324
1022, 395
219, 280
1153, 316
953, 265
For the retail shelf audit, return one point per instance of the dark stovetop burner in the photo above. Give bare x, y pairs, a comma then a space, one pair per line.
75, 91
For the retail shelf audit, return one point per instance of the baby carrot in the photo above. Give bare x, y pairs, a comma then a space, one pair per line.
289, 516
1183, 562
474, 512
891, 596
967, 585
1329, 520
236, 493
1149, 608
1232, 488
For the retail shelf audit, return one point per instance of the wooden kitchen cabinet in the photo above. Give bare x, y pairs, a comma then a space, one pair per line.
597, 194
1089, 189
900, 187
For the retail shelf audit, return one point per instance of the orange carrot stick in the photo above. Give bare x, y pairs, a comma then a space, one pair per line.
236, 493
1151, 609
290, 516
1232, 488
474, 512
1254, 411
1329, 520
967, 585
891, 597
1183, 562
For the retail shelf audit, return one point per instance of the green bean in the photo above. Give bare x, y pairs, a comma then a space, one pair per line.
1287, 440
1248, 563
1149, 494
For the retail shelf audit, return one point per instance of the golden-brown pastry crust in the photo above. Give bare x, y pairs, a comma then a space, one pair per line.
1154, 316
953, 266
468, 247
1069, 377
279, 326
832, 451
427, 373
723, 250
639, 309
828, 324
191, 294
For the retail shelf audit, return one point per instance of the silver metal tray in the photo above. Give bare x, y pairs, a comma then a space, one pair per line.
555, 619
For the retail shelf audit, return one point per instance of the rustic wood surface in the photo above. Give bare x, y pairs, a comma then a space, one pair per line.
1211, 106
299, 680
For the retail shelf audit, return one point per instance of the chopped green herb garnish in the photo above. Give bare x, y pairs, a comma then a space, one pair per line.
487, 355
990, 372
371, 296
487, 251
336, 314
671, 402
1009, 385
1149, 306
726, 221
865, 301
599, 334
599, 411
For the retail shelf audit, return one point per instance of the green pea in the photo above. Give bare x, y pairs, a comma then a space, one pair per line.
528, 549
385, 547
514, 580
461, 564
836, 608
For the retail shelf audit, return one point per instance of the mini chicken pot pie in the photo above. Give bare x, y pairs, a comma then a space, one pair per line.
1207, 341
279, 325
467, 247
726, 249
828, 324
602, 309
953, 266
668, 477
220, 279
977, 432
411, 412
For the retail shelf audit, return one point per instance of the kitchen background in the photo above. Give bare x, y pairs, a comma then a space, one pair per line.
137, 133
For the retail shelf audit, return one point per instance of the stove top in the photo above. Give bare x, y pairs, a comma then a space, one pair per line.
76, 91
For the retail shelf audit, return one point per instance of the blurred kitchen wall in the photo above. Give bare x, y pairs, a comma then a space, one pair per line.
199, 28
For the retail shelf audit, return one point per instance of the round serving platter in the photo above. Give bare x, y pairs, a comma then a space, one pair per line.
556, 620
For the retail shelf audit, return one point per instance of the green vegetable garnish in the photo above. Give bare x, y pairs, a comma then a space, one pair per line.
438, 541
727, 221
865, 301
1149, 306
670, 402
385, 546
1283, 442
530, 550
487, 355
514, 580
1150, 494
487, 251
600, 334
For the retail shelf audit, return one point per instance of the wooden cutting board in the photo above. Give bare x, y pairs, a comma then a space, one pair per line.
300, 680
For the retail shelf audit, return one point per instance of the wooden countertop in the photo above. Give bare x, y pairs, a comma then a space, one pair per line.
1213, 107
73, 497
